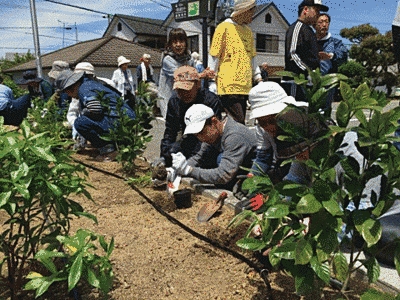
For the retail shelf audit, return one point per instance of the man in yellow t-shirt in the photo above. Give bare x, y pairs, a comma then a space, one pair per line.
232, 50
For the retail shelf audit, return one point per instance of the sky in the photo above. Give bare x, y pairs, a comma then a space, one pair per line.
61, 25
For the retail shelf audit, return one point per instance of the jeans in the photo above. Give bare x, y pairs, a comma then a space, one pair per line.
93, 130
17, 112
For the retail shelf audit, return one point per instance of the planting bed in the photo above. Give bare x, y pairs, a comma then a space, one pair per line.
155, 258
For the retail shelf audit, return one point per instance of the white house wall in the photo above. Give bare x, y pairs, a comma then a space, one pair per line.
126, 33
277, 27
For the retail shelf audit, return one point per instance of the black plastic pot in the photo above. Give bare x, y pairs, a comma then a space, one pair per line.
183, 198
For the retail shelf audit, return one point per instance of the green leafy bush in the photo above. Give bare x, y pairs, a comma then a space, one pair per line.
356, 73
300, 235
81, 261
37, 176
132, 136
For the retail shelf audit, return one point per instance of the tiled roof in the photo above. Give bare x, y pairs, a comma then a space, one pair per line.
144, 26
101, 52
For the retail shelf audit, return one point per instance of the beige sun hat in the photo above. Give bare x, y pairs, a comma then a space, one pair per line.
123, 60
241, 6
268, 98
57, 67
84, 67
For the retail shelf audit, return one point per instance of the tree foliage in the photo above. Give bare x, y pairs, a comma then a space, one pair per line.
373, 51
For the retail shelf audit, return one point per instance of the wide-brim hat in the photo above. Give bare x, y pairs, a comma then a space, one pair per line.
29, 76
269, 98
123, 60
241, 6
317, 3
67, 78
195, 118
58, 66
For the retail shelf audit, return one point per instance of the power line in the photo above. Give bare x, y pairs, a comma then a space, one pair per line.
79, 7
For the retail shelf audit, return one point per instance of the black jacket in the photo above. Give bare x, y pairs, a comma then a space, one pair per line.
301, 48
175, 124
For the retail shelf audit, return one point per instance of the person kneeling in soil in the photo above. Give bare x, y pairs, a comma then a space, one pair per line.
95, 120
269, 103
188, 92
226, 146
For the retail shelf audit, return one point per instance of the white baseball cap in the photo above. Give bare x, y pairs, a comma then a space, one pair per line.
196, 117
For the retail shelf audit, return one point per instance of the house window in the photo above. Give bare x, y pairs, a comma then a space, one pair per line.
267, 43
193, 43
267, 18
119, 26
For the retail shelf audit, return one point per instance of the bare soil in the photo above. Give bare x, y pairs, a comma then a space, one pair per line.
156, 257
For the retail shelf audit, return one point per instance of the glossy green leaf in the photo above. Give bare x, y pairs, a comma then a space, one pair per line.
54, 188
340, 266
371, 231
308, 204
43, 154
75, 272
277, 211
342, 114
304, 252
92, 278
251, 244
4, 198
328, 240
322, 270
333, 207
373, 269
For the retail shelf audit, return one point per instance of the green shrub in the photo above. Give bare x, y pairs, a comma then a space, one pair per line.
312, 253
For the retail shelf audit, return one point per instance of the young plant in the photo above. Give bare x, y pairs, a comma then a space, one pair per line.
36, 180
81, 261
48, 117
301, 224
132, 135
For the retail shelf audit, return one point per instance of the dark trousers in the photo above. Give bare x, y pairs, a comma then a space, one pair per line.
17, 112
235, 106
93, 130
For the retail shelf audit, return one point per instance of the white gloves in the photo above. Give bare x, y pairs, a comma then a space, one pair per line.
179, 163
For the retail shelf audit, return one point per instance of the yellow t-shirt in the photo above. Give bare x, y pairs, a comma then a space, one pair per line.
233, 45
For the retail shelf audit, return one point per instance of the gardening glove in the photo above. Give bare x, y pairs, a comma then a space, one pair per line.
237, 190
179, 163
253, 203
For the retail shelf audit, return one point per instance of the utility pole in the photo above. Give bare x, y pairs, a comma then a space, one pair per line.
36, 39
76, 33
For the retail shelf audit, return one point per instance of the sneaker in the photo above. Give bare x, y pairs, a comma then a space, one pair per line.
107, 149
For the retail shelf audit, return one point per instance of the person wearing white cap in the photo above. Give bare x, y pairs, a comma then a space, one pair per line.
123, 80
232, 53
268, 100
226, 146
301, 47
